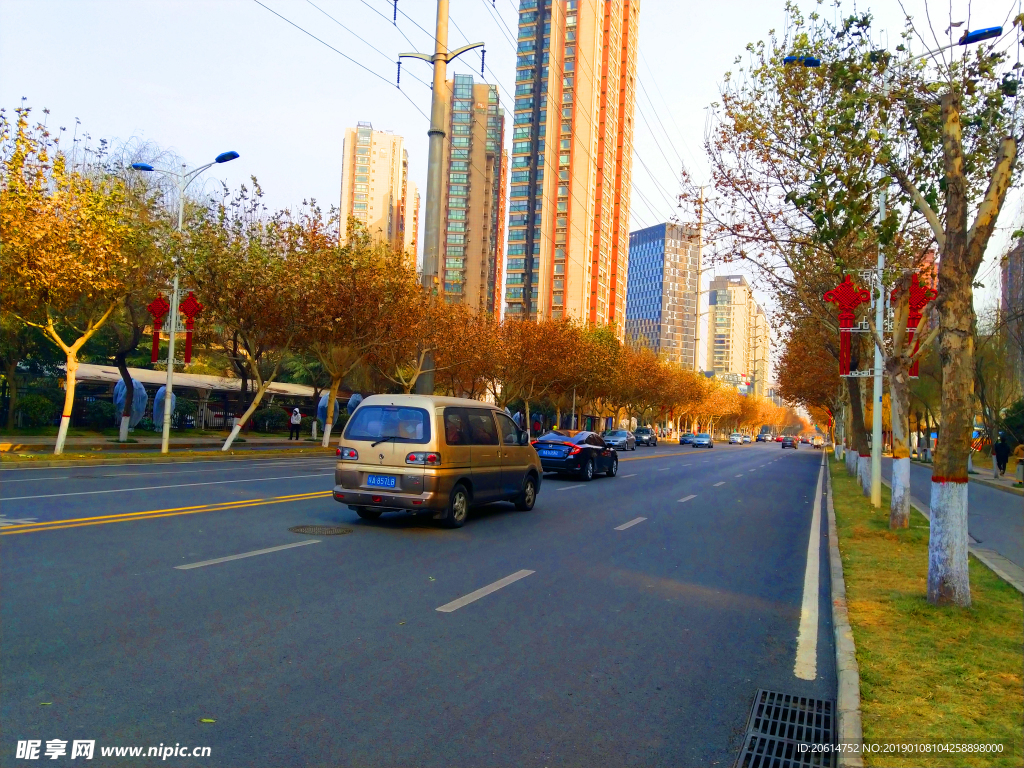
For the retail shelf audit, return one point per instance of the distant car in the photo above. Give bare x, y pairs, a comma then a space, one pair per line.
585, 454
746, 438
788, 441
703, 440
686, 438
735, 439
764, 437
818, 441
645, 436
619, 439
778, 439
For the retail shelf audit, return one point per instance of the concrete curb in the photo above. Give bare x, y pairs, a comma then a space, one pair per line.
160, 458
849, 729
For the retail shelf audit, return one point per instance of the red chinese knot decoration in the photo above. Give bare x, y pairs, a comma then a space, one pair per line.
158, 308
848, 297
190, 308
920, 295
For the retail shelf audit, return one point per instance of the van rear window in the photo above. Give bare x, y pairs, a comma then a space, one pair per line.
384, 422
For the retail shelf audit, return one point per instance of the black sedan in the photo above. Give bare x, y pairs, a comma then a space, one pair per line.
646, 436
584, 454
788, 441
619, 439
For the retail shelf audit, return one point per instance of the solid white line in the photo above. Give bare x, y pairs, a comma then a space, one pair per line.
632, 475
454, 605
569, 487
687, 498
806, 667
721, 483
630, 524
244, 554
156, 487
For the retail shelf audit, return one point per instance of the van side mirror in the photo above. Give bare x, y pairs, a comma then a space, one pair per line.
524, 437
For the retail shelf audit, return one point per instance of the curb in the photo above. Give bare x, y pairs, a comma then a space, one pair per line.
160, 458
1005, 569
984, 481
850, 729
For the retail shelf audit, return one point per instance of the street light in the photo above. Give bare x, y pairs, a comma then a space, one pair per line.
182, 180
967, 38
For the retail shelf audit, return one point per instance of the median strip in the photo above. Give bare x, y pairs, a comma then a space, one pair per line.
54, 525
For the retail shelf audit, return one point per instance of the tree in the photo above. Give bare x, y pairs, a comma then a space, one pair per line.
66, 236
995, 383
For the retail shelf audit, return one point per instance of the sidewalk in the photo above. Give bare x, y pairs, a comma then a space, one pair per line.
984, 476
45, 443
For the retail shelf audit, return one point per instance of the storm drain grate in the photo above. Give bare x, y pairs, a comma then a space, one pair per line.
782, 728
320, 530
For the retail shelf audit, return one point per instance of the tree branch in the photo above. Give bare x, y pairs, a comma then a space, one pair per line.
922, 204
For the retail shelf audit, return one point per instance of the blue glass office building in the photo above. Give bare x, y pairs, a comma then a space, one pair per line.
661, 290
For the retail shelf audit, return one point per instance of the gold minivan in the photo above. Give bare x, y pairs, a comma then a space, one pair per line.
438, 454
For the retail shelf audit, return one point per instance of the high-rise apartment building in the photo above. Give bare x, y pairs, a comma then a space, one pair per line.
661, 291
412, 219
572, 147
1012, 303
738, 338
474, 215
374, 184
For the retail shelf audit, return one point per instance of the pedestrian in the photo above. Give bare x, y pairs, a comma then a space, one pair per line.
536, 425
1002, 452
518, 419
294, 423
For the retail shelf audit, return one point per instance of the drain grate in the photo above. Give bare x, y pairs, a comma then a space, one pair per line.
320, 530
781, 729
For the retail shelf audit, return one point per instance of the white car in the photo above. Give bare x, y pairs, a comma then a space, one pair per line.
735, 439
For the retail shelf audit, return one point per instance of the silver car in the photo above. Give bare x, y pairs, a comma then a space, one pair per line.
703, 440
619, 439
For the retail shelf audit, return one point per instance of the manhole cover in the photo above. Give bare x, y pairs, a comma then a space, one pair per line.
320, 530
782, 729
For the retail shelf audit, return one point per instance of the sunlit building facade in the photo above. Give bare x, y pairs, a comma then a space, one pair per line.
739, 341
572, 147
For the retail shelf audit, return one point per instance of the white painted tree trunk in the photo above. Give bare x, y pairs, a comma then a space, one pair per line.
315, 423
995, 466
948, 576
69, 401
122, 434
246, 416
851, 461
970, 462
864, 474
899, 509
328, 428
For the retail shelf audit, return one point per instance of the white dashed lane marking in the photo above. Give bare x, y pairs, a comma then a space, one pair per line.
630, 524
472, 597
687, 498
721, 483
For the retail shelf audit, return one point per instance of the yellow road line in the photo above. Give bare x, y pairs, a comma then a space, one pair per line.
56, 525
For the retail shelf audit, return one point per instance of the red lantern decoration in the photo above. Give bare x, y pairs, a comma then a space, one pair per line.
158, 308
190, 308
848, 297
920, 295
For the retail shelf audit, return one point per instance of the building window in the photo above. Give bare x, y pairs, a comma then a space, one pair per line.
459, 165
455, 250
458, 178
456, 214
360, 197
362, 188
359, 206
460, 141
456, 226
456, 237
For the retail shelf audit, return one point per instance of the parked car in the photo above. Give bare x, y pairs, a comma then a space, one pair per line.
735, 439
585, 454
646, 436
419, 453
764, 437
746, 438
703, 440
788, 441
686, 438
619, 439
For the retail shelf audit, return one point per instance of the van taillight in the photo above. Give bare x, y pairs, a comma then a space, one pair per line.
426, 458
348, 454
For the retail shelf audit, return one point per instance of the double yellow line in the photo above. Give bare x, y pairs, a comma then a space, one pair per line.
56, 525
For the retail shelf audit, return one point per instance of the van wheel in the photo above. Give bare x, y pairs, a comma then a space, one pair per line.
458, 508
368, 514
528, 497
588, 470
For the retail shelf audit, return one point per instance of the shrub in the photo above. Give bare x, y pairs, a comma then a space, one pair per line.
99, 414
270, 419
36, 410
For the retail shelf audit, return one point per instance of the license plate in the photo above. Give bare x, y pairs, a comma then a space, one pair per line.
554, 454
381, 481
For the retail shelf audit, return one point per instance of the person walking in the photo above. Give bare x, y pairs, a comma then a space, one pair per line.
1002, 453
294, 424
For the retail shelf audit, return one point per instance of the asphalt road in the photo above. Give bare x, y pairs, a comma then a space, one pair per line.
994, 517
625, 642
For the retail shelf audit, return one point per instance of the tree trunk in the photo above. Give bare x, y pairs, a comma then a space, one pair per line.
329, 417
247, 415
526, 426
10, 372
129, 396
69, 401
858, 435
899, 397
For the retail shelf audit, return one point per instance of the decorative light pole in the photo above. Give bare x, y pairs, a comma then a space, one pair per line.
182, 180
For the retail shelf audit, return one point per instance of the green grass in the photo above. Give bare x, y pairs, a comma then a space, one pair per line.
927, 674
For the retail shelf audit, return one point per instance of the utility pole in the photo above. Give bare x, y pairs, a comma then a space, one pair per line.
700, 257
432, 234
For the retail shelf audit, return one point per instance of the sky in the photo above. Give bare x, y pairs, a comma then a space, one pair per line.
199, 77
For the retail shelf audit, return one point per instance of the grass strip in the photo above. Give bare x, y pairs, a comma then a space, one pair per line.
928, 675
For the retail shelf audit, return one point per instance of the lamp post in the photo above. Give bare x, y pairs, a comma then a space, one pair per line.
878, 295
182, 180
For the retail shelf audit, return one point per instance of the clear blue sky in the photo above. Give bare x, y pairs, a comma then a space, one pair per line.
204, 76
